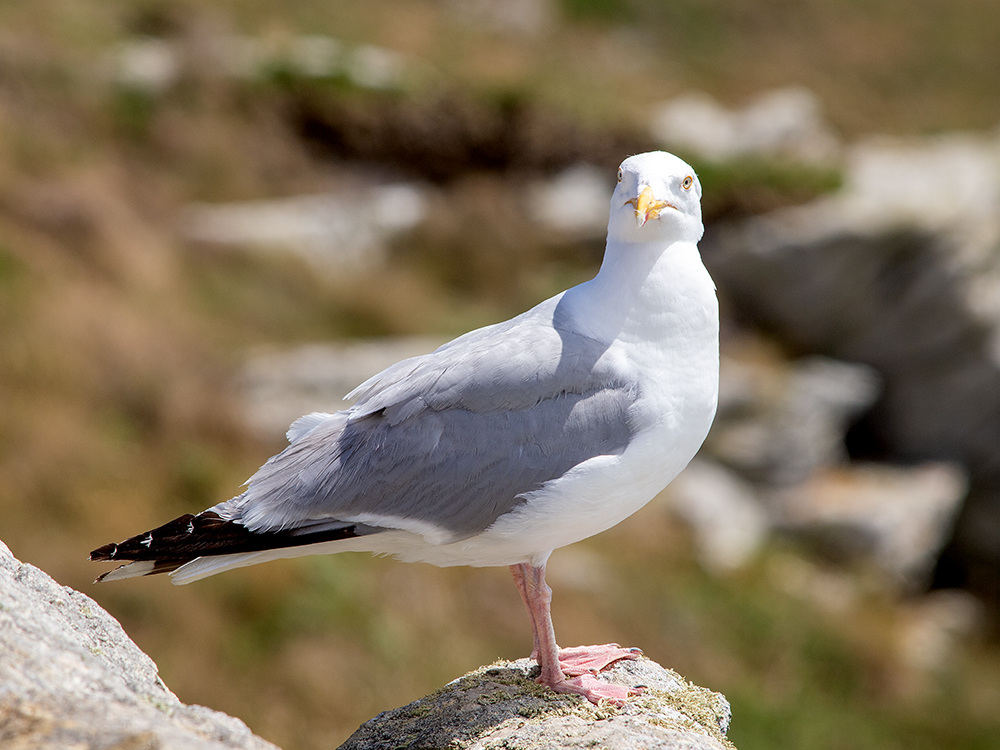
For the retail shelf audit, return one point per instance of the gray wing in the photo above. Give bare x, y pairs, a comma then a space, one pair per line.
510, 365
453, 438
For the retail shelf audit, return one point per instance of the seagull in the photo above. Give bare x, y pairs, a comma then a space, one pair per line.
505, 444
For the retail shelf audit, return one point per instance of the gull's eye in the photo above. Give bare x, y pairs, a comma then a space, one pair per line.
619, 174
688, 182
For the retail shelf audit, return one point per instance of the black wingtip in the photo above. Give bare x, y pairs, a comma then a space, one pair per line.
171, 540
176, 542
104, 554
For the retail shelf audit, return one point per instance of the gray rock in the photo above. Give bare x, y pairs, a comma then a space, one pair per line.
786, 122
70, 677
934, 626
333, 231
145, 63
573, 203
526, 18
898, 517
898, 271
728, 520
500, 706
778, 423
948, 182
378, 68
258, 57
280, 385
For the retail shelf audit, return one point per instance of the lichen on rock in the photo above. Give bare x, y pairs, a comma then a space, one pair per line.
500, 706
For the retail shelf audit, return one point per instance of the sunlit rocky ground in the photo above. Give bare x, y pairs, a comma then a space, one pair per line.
215, 217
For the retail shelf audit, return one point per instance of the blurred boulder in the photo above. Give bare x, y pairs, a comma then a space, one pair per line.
899, 517
932, 628
514, 17
146, 63
898, 271
778, 421
280, 385
70, 677
153, 64
344, 230
371, 67
785, 123
501, 706
315, 55
826, 588
574, 202
947, 183
727, 518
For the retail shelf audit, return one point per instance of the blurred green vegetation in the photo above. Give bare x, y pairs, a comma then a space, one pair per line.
752, 185
120, 342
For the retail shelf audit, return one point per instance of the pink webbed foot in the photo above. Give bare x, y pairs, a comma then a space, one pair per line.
568, 670
583, 660
594, 690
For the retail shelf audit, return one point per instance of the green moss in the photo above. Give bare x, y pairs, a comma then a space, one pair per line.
618, 11
419, 710
700, 705
158, 703
754, 185
134, 110
11, 267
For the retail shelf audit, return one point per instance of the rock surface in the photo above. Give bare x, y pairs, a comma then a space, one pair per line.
71, 678
500, 706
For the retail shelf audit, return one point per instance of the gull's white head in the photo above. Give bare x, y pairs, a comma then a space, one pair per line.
658, 198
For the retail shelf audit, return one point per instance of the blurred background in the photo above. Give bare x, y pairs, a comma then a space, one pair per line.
217, 216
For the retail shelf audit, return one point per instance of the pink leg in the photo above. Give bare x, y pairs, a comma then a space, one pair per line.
519, 572
580, 664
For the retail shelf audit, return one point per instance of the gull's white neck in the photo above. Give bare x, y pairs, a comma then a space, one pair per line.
647, 292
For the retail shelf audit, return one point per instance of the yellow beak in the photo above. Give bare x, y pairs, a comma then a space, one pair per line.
647, 207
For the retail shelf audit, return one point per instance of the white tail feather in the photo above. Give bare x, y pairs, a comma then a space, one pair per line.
129, 570
203, 567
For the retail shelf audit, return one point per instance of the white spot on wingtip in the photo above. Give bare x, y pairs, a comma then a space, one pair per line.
190, 527
148, 541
